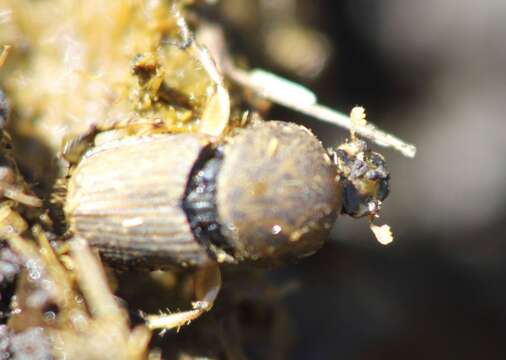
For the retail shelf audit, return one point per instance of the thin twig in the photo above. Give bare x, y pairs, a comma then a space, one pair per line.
296, 97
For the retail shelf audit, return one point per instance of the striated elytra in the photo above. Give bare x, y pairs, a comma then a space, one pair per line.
267, 194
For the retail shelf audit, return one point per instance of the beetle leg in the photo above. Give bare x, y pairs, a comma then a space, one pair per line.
207, 284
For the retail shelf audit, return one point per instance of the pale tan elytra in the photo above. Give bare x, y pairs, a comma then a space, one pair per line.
125, 199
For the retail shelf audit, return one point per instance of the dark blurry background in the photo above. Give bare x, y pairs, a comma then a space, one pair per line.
433, 73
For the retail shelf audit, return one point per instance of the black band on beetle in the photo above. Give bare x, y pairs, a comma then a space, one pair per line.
199, 202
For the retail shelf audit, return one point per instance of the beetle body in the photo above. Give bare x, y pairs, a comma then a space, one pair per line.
269, 193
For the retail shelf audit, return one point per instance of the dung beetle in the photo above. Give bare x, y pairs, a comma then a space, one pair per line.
268, 194
265, 193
